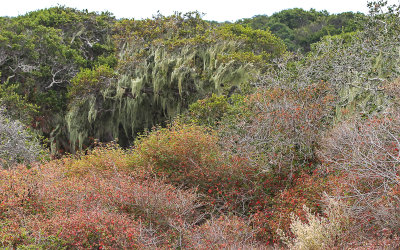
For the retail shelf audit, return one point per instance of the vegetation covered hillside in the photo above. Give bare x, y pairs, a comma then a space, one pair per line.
179, 133
91, 76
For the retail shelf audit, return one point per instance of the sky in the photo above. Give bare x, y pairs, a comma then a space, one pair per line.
218, 10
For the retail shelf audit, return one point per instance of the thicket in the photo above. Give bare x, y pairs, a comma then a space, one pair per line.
275, 149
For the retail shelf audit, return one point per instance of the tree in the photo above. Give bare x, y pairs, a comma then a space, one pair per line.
165, 64
300, 28
42, 51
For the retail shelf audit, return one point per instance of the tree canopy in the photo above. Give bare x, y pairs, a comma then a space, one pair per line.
300, 28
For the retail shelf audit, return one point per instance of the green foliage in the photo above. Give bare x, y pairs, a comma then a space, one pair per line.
357, 78
209, 111
86, 32
42, 51
299, 28
213, 110
259, 42
63, 59
86, 90
165, 64
89, 81
15, 104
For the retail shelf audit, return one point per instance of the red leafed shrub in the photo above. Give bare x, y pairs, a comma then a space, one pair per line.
181, 153
306, 190
189, 156
91, 202
277, 135
95, 229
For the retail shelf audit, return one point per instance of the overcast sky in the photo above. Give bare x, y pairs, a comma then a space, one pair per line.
218, 10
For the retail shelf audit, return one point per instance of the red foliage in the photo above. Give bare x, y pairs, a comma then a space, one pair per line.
103, 206
306, 190
189, 156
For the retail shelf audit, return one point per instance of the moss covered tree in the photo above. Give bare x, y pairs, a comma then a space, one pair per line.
166, 63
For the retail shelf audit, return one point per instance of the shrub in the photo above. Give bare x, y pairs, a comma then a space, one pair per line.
225, 232
189, 156
181, 153
17, 144
209, 111
319, 232
17, 107
103, 159
365, 154
95, 229
90, 201
215, 110
275, 214
88, 82
281, 134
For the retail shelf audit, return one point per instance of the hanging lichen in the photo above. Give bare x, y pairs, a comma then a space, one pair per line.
158, 78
